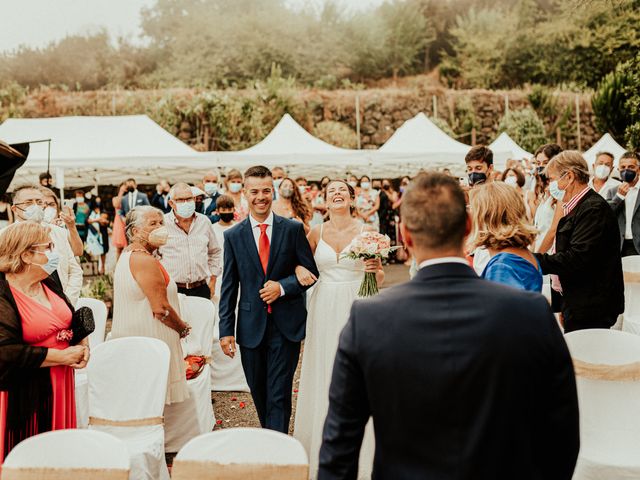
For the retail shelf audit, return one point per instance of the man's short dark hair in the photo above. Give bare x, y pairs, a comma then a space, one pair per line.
45, 176
225, 201
132, 180
259, 172
480, 153
608, 154
434, 211
630, 154
550, 150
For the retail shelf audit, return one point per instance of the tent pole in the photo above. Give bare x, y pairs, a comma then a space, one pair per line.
578, 122
435, 106
358, 122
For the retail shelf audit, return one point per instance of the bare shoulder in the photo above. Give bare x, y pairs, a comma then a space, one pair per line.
141, 262
314, 234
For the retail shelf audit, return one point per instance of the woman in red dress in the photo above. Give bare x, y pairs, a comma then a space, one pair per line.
36, 360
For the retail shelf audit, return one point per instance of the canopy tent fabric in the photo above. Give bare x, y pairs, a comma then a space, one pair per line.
290, 146
421, 144
605, 144
504, 143
102, 150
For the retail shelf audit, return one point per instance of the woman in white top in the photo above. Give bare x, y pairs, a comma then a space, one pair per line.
329, 308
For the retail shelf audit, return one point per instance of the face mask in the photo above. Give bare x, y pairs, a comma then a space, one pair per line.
210, 188
79, 199
49, 215
555, 191
87, 196
602, 172
324, 185
353, 184
365, 185
286, 193
628, 176
186, 209
130, 189
511, 181
53, 260
276, 183
477, 177
158, 237
235, 187
33, 213
386, 187
226, 217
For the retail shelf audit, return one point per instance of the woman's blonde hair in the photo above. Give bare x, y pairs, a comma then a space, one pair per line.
499, 218
17, 239
570, 161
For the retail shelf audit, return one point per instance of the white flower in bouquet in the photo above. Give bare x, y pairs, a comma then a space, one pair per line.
367, 246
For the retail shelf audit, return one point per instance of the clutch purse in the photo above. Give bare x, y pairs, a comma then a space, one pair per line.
195, 364
82, 325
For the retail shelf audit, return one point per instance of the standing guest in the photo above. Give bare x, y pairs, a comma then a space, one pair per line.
324, 182
625, 202
587, 259
485, 365
318, 204
191, 255
199, 196
145, 298
210, 185
514, 177
368, 204
160, 199
225, 210
61, 218
551, 211
278, 175
98, 225
479, 161
602, 181
401, 254
28, 206
6, 216
36, 361
82, 211
234, 190
45, 180
500, 225
388, 214
290, 204
353, 182
132, 198
118, 235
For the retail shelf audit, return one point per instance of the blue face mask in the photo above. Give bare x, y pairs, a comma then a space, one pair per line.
555, 191
211, 188
53, 261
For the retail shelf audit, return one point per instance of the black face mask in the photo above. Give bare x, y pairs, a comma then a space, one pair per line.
226, 217
541, 174
628, 176
130, 189
477, 177
386, 187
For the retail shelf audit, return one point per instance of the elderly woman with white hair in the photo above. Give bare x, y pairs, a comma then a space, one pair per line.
145, 302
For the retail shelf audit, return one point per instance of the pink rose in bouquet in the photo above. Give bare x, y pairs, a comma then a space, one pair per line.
367, 246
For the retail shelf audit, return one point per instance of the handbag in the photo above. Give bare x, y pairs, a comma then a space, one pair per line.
82, 324
195, 364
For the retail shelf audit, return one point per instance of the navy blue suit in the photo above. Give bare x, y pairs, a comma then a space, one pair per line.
210, 211
269, 342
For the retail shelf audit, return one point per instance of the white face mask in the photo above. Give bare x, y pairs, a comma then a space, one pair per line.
511, 181
353, 184
235, 187
602, 172
50, 213
186, 209
365, 185
33, 213
210, 188
302, 189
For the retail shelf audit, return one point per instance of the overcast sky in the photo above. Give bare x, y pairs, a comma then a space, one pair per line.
37, 22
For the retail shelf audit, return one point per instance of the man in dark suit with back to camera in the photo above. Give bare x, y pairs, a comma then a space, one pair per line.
467, 380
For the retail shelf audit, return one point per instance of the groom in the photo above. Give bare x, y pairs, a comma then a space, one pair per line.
260, 257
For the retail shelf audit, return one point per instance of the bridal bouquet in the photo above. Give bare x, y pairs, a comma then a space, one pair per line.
366, 246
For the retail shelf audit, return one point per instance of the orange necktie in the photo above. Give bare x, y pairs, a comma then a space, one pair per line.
263, 250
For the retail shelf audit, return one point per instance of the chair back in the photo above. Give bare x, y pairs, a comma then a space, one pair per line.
200, 314
242, 453
100, 313
631, 271
66, 454
128, 379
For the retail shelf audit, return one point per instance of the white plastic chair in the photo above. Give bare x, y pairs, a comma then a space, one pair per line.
631, 321
128, 383
194, 416
609, 420
227, 374
68, 454
242, 453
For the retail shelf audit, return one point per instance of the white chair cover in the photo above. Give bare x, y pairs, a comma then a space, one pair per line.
82, 398
242, 453
227, 374
194, 416
609, 420
68, 454
631, 270
128, 382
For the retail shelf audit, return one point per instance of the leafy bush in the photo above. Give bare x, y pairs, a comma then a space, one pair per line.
442, 124
336, 133
525, 127
609, 102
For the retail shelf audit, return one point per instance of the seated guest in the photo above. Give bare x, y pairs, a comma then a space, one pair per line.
36, 360
145, 298
500, 225
291, 204
624, 201
586, 261
485, 366
61, 218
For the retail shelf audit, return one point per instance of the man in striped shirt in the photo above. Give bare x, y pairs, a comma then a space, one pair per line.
192, 255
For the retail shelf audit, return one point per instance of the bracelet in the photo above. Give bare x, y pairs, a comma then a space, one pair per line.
185, 331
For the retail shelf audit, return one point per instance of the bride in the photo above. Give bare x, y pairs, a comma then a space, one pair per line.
329, 308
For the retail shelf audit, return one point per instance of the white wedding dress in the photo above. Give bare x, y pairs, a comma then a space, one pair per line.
329, 309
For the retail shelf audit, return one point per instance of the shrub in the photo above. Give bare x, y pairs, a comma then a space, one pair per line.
336, 133
525, 127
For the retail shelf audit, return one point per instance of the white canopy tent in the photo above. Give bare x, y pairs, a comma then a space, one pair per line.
504, 143
102, 150
290, 146
421, 144
605, 144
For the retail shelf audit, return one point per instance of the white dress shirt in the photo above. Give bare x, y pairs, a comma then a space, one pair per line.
438, 261
629, 207
609, 184
255, 228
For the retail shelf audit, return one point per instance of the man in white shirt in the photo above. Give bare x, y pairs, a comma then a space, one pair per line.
28, 205
133, 198
601, 181
624, 202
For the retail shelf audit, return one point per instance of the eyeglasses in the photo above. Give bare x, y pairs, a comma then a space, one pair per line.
50, 246
39, 203
184, 200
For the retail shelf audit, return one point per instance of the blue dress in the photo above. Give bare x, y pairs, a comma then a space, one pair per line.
515, 271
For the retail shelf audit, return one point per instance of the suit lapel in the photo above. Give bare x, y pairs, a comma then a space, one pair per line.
250, 245
276, 242
635, 208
